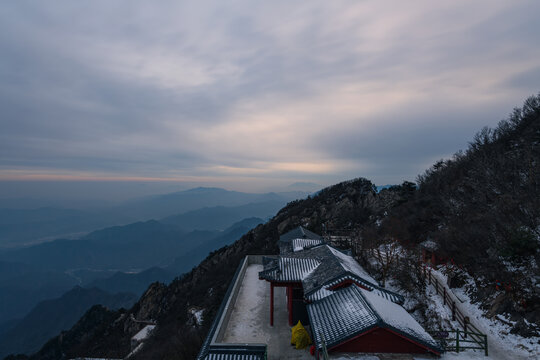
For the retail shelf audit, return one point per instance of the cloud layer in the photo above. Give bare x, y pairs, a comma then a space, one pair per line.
255, 93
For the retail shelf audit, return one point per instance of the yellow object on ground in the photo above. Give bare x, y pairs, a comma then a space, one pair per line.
300, 336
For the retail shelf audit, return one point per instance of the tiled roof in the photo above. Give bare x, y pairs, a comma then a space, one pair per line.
319, 269
339, 316
236, 352
333, 265
288, 269
396, 317
301, 244
233, 356
299, 233
319, 294
351, 311
389, 295
326, 290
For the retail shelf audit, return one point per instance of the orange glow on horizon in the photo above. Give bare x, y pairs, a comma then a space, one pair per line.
70, 177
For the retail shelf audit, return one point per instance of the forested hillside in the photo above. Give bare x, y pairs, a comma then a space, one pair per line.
482, 208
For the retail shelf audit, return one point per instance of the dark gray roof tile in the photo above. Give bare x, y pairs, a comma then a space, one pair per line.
299, 233
351, 311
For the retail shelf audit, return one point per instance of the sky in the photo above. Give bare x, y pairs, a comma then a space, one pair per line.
251, 95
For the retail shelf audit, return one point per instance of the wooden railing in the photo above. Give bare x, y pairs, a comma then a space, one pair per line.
470, 332
458, 340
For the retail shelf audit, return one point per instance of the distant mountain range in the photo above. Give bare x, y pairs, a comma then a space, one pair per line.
221, 217
27, 226
117, 259
160, 206
44, 271
22, 286
191, 258
30, 226
50, 317
136, 246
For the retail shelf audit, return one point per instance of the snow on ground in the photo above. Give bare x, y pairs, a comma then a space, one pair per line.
245, 324
144, 333
465, 355
448, 356
136, 350
501, 344
197, 314
249, 321
354, 357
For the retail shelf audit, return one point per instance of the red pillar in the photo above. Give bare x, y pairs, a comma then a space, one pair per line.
289, 304
433, 259
271, 304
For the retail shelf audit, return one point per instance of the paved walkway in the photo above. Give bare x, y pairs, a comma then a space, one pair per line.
250, 319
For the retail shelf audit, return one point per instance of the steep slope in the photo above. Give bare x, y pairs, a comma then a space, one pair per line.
187, 261
482, 209
52, 316
135, 283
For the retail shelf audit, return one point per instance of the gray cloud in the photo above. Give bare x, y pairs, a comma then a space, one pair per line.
256, 93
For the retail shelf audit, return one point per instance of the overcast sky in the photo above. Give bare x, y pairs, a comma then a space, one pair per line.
255, 95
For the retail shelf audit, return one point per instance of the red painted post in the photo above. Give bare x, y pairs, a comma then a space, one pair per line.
271, 304
429, 276
289, 305
453, 310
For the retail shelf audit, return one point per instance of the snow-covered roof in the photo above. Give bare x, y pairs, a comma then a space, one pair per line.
301, 244
339, 316
326, 290
290, 269
351, 311
333, 265
319, 269
397, 317
350, 265
429, 245
144, 333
